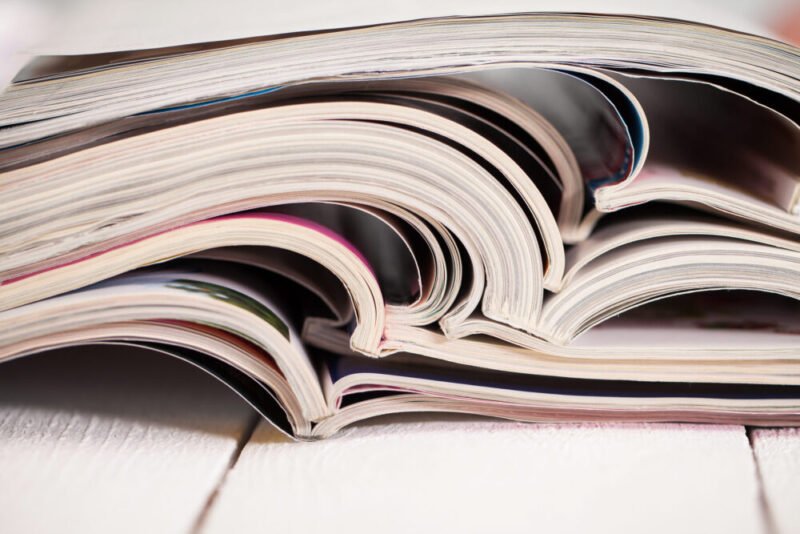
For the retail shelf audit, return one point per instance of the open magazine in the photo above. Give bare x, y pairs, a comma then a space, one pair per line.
537, 216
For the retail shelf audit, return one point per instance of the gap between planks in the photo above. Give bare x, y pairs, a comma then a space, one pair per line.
767, 516
247, 434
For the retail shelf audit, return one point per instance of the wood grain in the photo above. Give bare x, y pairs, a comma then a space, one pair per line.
110, 439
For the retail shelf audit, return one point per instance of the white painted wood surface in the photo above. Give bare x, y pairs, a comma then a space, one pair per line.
777, 452
103, 442
134, 444
489, 476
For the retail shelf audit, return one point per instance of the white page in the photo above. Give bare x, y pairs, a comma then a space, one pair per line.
95, 26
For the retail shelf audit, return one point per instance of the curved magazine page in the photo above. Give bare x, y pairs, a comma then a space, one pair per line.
764, 357
236, 303
649, 270
369, 161
419, 48
723, 143
600, 119
544, 412
632, 225
381, 387
255, 393
520, 185
266, 392
264, 229
301, 270
419, 282
717, 336
535, 146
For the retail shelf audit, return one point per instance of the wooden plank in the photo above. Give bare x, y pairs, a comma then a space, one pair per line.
110, 439
468, 475
777, 453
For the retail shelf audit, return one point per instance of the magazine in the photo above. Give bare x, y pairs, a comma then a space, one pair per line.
538, 216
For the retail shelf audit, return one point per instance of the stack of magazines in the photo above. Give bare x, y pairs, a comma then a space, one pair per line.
538, 216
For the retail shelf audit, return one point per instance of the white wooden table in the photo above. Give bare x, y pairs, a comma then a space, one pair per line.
97, 441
